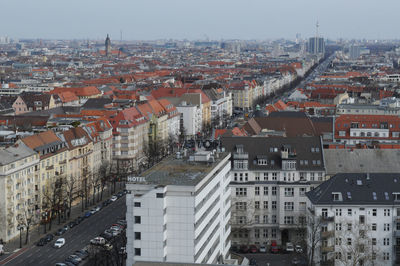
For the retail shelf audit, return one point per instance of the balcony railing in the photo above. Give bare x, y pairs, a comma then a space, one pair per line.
327, 234
327, 249
243, 156
327, 218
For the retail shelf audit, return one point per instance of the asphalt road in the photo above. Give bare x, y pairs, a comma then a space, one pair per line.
76, 238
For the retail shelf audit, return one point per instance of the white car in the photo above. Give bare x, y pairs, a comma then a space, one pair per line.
98, 241
114, 198
299, 249
59, 243
263, 249
289, 247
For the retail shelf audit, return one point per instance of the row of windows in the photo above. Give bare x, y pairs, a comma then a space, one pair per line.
273, 176
289, 191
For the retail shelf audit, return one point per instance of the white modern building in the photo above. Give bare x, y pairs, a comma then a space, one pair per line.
354, 219
270, 177
179, 210
191, 117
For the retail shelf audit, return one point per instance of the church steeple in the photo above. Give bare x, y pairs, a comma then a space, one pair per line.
108, 46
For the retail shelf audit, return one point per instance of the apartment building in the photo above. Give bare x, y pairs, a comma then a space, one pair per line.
367, 109
130, 134
19, 189
354, 219
355, 129
270, 177
191, 117
173, 121
242, 95
179, 210
53, 154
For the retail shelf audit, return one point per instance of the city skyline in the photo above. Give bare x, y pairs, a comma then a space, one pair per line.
176, 19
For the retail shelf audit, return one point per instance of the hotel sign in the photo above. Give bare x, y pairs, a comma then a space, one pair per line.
136, 179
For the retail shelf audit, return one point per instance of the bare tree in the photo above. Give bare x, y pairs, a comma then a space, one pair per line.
314, 228
70, 189
52, 199
104, 174
27, 219
94, 180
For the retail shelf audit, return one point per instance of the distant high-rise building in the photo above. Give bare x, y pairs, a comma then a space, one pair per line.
108, 46
354, 52
316, 45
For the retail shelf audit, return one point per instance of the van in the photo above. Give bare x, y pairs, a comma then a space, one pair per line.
1, 250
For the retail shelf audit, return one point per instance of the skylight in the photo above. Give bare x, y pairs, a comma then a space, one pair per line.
359, 182
349, 195
386, 196
374, 195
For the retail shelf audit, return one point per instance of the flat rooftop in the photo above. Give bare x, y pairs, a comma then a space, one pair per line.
185, 172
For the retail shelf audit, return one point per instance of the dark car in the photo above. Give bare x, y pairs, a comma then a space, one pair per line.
107, 236
60, 231
72, 260
79, 219
120, 194
244, 249
253, 249
122, 222
41, 242
49, 237
83, 254
72, 224
253, 261
87, 214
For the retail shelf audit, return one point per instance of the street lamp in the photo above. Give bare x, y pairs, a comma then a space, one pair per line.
20, 227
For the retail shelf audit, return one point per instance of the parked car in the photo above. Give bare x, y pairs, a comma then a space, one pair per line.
107, 235
93, 211
98, 241
66, 227
41, 242
111, 232
299, 249
61, 264
120, 194
49, 237
274, 247
244, 249
60, 231
289, 247
59, 243
73, 260
263, 249
1, 249
253, 249
114, 198
72, 224
83, 254
98, 208
122, 222
122, 251
79, 219
87, 214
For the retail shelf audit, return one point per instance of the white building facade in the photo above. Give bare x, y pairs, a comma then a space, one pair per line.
356, 220
179, 211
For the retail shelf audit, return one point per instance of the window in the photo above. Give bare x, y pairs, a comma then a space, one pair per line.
274, 205
273, 233
240, 191
273, 191
138, 220
265, 191
302, 191
265, 233
338, 212
349, 241
241, 205
373, 241
138, 236
289, 192
289, 206
256, 233
338, 226
257, 219
386, 256
159, 195
265, 219
265, 176
349, 255
257, 176
138, 252
386, 241
362, 219
137, 204
256, 205
386, 212
373, 212
373, 227
349, 225
386, 227
257, 191
338, 255
349, 212
241, 219
274, 176
265, 204
289, 220
273, 219
338, 241
324, 213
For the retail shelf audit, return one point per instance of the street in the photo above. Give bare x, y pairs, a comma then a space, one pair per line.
76, 238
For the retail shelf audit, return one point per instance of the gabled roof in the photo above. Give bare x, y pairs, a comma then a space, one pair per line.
79, 91
357, 189
41, 140
74, 134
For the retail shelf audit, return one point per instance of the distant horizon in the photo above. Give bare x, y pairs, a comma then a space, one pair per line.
200, 20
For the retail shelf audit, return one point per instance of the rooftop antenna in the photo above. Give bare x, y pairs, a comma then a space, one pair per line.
316, 27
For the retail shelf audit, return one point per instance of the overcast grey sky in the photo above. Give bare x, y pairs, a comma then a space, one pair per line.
192, 19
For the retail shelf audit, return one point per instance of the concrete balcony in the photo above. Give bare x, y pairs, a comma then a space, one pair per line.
327, 219
327, 249
242, 156
63, 161
327, 234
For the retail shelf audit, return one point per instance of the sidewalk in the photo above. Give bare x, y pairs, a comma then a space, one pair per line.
37, 232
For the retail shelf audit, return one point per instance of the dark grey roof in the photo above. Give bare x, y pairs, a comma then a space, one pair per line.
361, 188
96, 103
260, 146
287, 114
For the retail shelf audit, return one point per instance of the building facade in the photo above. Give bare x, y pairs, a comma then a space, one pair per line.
179, 211
354, 219
270, 177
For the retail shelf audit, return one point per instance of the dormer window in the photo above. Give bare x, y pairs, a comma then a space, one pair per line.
262, 162
396, 196
337, 196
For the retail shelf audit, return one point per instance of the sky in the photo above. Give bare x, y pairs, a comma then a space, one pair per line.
199, 19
